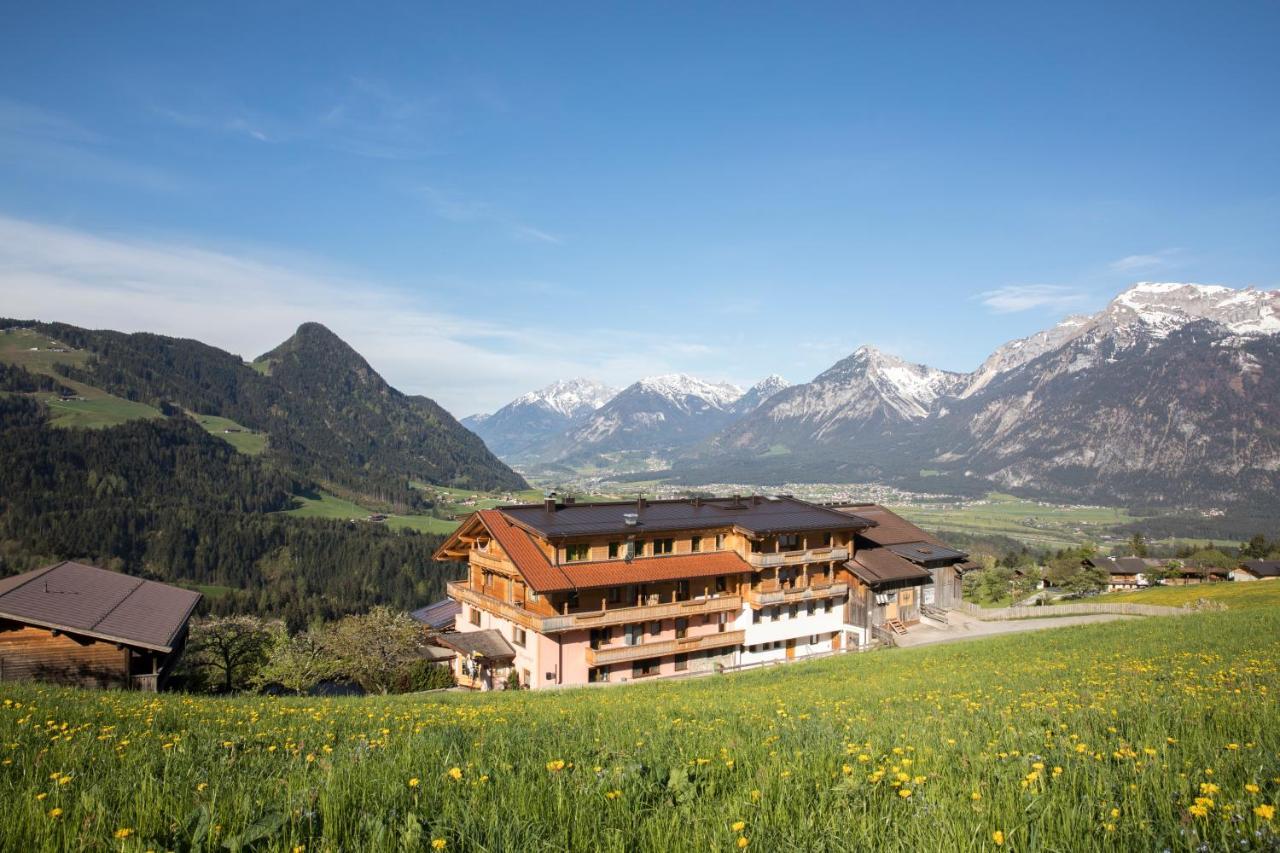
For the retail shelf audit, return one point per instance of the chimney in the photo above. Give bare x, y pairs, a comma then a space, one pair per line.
697, 501
641, 503
549, 503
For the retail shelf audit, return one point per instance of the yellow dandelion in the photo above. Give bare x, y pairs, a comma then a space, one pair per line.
904, 792
1198, 811
738, 826
1251, 788
455, 773
975, 796
743, 842
998, 838
123, 832
414, 782
438, 844
1265, 812
556, 766
55, 813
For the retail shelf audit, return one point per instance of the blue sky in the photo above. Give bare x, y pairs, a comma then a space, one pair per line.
483, 199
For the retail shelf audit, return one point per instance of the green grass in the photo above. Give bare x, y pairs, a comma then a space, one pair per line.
1234, 594
96, 409
1091, 738
213, 591
326, 505
1047, 525
246, 441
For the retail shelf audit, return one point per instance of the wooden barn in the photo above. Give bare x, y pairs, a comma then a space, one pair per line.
77, 624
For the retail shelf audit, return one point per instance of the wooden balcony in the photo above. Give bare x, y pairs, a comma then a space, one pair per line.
650, 612
772, 594
576, 621
662, 648
797, 558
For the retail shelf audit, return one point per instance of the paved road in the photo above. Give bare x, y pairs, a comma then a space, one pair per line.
963, 627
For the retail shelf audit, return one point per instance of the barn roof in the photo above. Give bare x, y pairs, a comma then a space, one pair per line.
440, 615
97, 603
1263, 568
488, 644
875, 566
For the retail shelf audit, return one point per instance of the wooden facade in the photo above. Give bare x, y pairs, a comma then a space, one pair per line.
43, 654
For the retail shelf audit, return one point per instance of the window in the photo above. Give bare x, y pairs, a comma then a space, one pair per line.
722, 583
682, 663
883, 598
795, 611
663, 546
615, 594
719, 541
641, 668
573, 599
695, 544
524, 677
637, 548
826, 540
475, 617
809, 608
599, 637
723, 621
756, 546
655, 628
519, 637
682, 628
597, 674
576, 553
756, 616
826, 606
682, 590
632, 634
789, 542
615, 550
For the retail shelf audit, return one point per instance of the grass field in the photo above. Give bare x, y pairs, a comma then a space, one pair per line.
1155, 734
332, 506
95, 409
246, 441
1028, 521
1233, 594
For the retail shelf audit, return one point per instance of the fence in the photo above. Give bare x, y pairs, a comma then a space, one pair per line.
998, 614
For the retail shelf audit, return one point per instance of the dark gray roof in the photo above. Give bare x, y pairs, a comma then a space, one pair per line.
876, 566
1263, 568
440, 615
489, 644
1133, 565
755, 514
1105, 563
926, 552
97, 603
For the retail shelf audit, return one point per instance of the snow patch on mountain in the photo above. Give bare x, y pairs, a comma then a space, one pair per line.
684, 391
568, 397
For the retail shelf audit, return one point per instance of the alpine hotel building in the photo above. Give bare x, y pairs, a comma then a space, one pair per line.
562, 593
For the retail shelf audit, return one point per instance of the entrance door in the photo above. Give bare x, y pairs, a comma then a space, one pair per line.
891, 609
791, 649
835, 641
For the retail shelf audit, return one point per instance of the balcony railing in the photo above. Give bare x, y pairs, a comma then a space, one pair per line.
796, 558
767, 596
662, 648
459, 591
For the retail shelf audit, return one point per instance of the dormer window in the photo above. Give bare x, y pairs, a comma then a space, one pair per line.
576, 553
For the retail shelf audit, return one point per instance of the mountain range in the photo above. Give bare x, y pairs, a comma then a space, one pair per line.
1170, 395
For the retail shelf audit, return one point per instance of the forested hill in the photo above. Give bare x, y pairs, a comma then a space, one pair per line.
163, 498
328, 416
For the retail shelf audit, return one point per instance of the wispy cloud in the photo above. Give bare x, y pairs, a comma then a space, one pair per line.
1026, 297
1154, 260
456, 208
34, 139
246, 304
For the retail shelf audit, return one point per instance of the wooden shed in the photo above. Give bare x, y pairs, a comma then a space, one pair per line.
78, 624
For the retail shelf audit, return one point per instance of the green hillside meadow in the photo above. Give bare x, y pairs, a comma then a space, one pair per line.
1138, 734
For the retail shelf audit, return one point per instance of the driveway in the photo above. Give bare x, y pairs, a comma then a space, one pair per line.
963, 627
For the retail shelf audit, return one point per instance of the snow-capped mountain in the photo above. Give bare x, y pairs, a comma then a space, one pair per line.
657, 413
538, 416
1170, 394
757, 394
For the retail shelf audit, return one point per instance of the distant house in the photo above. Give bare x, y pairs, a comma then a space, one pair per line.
1122, 572
1190, 574
1256, 570
83, 625
376, 518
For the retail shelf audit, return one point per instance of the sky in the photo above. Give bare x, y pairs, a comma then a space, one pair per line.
484, 198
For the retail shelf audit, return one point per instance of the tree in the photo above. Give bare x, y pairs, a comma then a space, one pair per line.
1256, 548
1211, 557
1138, 544
376, 649
298, 663
1086, 580
233, 648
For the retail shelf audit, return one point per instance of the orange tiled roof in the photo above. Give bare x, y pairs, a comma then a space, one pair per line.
653, 569
528, 557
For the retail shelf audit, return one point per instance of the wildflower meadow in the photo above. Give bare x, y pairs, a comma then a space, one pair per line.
1143, 734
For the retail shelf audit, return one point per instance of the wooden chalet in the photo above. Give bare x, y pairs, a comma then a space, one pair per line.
615, 591
79, 624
